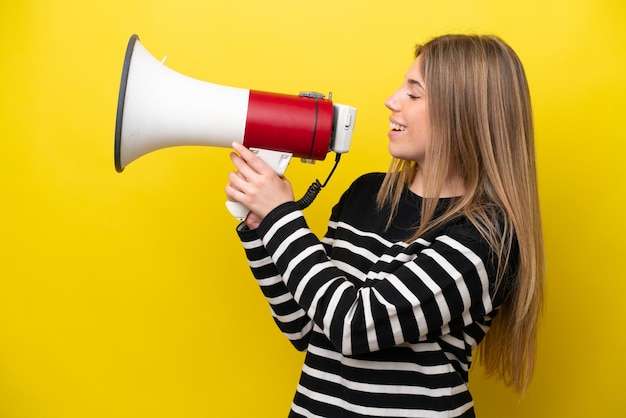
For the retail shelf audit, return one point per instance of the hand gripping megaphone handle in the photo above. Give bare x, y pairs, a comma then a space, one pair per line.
277, 160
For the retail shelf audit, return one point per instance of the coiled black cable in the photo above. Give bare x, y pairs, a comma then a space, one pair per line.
316, 187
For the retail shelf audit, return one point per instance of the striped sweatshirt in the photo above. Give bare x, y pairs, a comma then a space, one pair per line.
388, 325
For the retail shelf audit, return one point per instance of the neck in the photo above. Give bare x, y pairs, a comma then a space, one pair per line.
452, 187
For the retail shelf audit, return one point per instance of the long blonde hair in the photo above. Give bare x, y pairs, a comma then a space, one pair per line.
480, 114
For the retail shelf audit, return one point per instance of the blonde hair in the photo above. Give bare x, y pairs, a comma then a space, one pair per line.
480, 114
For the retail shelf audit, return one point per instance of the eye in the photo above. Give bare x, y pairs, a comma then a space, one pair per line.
412, 96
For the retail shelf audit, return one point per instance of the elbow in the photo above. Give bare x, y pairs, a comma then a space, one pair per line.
299, 338
300, 345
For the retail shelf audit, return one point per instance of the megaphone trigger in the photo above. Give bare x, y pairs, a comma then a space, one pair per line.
277, 160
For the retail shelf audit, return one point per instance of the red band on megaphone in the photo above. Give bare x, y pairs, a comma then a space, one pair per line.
295, 124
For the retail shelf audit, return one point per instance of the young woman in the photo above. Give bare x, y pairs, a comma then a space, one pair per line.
418, 263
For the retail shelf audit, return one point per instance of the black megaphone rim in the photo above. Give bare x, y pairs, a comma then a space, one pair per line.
120, 103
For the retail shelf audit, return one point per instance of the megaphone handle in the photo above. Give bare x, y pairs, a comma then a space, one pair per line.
277, 160
238, 210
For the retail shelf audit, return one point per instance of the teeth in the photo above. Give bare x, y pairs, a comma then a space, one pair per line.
397, 127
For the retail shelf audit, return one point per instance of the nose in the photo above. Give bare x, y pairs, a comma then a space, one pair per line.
392, 102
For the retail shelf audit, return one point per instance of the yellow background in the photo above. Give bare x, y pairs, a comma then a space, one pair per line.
128, 295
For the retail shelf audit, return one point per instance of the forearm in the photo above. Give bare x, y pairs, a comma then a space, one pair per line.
288, 315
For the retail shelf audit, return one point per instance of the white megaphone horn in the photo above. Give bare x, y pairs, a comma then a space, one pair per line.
160, 108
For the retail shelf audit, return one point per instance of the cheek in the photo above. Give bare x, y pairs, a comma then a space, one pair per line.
417, 144
419, 136
422, 128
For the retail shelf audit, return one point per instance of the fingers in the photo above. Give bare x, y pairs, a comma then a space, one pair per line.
250, 158
253, 220
243, 168
251, 170
241, 187
255, 184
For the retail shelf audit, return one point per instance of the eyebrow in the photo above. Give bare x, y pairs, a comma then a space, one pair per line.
416, 83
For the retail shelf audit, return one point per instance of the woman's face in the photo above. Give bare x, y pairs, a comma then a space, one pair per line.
410, 130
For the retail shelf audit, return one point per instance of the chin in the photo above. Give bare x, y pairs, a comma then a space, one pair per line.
397, 152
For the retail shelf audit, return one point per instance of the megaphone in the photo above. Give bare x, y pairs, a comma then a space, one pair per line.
160, 108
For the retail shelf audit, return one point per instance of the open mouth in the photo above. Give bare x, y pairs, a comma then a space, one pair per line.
396, 127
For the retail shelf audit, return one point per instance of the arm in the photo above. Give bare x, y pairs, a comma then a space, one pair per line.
436, 285
288, 315
411, 293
